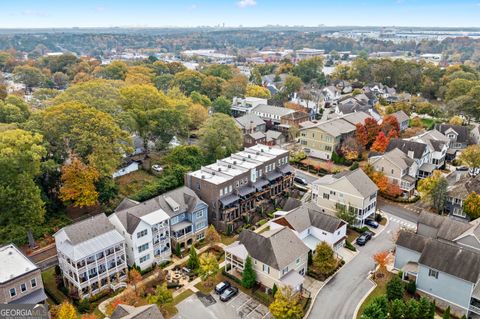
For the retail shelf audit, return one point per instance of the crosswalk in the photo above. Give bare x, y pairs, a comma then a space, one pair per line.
403, 223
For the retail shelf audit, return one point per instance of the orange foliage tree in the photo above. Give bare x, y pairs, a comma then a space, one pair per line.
361, 134
380, 180
393, 190
134, 277
382, 258
381, 143
389, 124
78, 183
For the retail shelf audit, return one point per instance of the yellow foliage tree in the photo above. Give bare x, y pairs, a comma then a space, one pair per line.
212, 236
257, 91
286, 305
471, 205
67, 311
456, 120
470, 156
78, 183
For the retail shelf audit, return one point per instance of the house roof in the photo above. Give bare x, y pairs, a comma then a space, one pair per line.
172, 203
296, 116
464, 187
249, 121
13, 263
397, 158
405, 146
88, 228
451, 259
462, 131
411, 240
357, 178
447, 228
257, 135
356, 117
142, 312
270, 247
271, 109
308, 215
273, 135
401, 116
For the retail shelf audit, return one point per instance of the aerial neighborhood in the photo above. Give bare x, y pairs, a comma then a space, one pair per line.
223, 172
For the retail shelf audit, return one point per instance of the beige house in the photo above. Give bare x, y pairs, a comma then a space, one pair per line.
353, 189
322, 138
278, 256
20, 279
400, 169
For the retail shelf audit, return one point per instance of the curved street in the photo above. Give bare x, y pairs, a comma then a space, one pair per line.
339, 298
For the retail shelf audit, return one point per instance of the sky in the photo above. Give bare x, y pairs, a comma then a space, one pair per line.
234, 13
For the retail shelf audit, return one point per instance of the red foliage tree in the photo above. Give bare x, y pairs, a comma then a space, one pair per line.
361, 134
381, 143
392, 134
372, 128
389, 124
393, 190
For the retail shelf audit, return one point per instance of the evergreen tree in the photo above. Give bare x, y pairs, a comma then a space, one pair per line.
178, 250
193, 261
249, 276
446, 314
411, 309
376, 309
425, 309
395, 289
274, 289
397, 309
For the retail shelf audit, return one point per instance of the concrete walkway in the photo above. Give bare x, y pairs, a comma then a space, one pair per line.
103, 305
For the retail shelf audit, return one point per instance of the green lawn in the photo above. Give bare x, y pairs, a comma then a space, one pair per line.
48, 277
380, 290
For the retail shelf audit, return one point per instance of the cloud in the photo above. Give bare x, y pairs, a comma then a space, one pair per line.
191, 7
247, 3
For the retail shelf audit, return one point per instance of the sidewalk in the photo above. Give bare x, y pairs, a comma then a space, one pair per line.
103, 305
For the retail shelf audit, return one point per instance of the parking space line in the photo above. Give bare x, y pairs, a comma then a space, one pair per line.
268, 312
228, 302
251, 312
244, 303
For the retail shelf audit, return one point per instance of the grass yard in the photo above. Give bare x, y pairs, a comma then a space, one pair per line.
352, 235
132, 183
205, 288
380, 290
227, 240
48, 278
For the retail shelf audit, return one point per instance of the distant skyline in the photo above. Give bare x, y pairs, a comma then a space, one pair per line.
233, 13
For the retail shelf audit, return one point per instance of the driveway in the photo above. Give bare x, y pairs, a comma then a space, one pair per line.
341, 295
308, 177
210, 307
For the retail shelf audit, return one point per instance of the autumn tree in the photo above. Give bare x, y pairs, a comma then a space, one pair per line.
382, 259
212, 237
134, 277
78, 183
257, 91
161, 297
361, 134
456, 120
390, 123
117, 70
28, 75
470, 156
219, 137
188, 81
235, 87
351, 148
310, 69
67, 311
471, 206
434, 189
292, 84
286, 304
372, 128
208, 266
345, 213
380, 144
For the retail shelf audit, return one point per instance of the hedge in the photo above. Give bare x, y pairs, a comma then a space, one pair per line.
349, 245
400, 199
226, 274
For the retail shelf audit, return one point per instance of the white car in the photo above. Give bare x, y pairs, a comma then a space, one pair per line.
157, 168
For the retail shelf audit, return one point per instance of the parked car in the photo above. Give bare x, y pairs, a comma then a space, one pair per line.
229, 293
371, 223
221, 287
462, 168
364, 238
157, 168
300, 181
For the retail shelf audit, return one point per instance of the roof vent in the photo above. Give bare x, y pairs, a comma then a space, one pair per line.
234, 162
243, 159
213, 173
257, 153
203, 176
229, 165
10, 253
173, 204
219, 169
249, 156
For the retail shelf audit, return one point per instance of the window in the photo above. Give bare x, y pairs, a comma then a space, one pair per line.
324, 233
433, 273
142, 247
221, 192
230, 188
33, 282
332, 193
200, 214
13, 292
142, 233
285, 270
326, 196
297, 261
392, 171
23, 287
144, 258
201, 225
200, 236
266, 269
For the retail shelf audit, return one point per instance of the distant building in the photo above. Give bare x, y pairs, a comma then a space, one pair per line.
20, 279
91, 255
403, 120
245, 106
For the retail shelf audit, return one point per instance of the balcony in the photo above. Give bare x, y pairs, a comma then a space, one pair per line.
181, 229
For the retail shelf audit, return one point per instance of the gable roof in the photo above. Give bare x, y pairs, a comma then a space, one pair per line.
405, 146
462, 131
464, 187
184, 197
451, 259
271, 109
397, 158
308, 215
88, 228
401, 116
142, 312
270, 247
447, 228
412, 241
249, 121
357, 178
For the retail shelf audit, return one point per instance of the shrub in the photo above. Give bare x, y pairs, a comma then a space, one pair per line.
349, 245
411, 287
84, 305
354, 166
235, 279
378, 218
395, 289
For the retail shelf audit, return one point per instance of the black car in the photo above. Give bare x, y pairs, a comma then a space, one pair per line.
371, 223
364, 238
229, 293
221, 287
300, 181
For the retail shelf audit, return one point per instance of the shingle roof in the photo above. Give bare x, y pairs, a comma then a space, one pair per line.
183, 196
257, 135
88, 228
359, 180
249, 120
464, 187
270, 109
336, 127
405, 146
462, 131
270, 248
401, 116
451, 259
398, 158
447, 228
412, 241
142, 312
356, 117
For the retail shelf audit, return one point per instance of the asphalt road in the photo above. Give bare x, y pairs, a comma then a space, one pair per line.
339, 298
308, 177
397, 210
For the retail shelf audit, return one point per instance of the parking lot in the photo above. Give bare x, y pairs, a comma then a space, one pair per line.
210, 307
